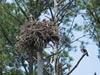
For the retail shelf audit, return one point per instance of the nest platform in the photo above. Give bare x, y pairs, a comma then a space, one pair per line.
36, 35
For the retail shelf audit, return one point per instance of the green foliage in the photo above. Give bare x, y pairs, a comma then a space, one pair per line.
13, 15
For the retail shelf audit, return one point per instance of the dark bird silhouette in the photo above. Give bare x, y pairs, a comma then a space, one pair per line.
84, 51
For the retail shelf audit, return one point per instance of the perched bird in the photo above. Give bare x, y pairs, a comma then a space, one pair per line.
95, 73
84, 51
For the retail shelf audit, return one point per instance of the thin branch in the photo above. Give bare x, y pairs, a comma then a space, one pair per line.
77, 64
52, 55
98, 20
91, 13
50, 9
48, 18
63, 69
5, 35
9, 41
62, 16
12, 15
79, 38
72, 24
51, 62
22, 10
22, 60
67, 5
61, 1
47, 71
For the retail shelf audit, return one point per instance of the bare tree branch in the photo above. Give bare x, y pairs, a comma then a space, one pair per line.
50, 9
67, 5
52, 55
61, 1
79, 38
77, 64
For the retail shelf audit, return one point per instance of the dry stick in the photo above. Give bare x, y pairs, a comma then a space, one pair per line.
50, 10
6, 37
77, 64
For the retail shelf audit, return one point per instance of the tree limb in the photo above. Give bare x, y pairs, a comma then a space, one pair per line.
5, 35
9, 41
60, 2
50, 9
77, 64
22, 10
72, 24
52, 55
67, 5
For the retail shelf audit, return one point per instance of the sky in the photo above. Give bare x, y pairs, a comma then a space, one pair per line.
90, 64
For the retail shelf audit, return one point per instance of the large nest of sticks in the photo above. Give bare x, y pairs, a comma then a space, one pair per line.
36, 35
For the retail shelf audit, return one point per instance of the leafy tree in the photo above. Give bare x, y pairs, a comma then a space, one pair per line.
15, 13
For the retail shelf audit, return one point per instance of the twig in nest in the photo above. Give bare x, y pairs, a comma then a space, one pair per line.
77, 64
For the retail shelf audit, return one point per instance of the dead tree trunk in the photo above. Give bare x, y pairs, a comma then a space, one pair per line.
56, 43
30, 62
55, 60
40, 63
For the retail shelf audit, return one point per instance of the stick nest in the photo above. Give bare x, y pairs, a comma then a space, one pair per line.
36, 35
